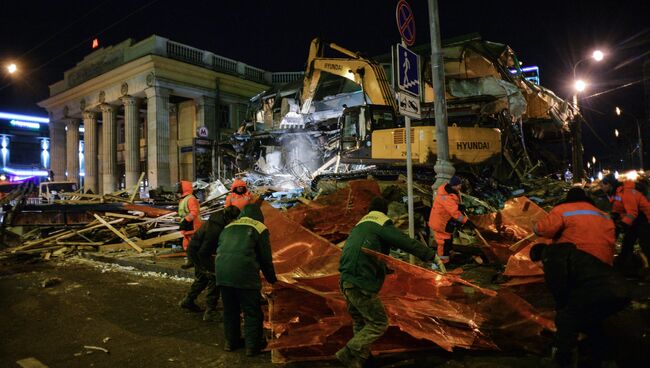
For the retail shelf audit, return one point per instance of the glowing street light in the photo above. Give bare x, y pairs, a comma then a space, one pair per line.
593, 159
598, 55
616, 132
580, 85
12, 68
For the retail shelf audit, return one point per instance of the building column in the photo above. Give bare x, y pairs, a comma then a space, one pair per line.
58, 150
90, 151
207, 115
72, 149
131, 140
109, 149
158, 137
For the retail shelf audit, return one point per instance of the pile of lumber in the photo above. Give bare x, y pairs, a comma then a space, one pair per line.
109, 231
142, 227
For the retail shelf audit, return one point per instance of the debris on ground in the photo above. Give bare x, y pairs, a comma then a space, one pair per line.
50, 281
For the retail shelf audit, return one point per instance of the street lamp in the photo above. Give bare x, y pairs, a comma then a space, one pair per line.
12, 68
593, 159
580, 85
616, 132
620, 112
598, 55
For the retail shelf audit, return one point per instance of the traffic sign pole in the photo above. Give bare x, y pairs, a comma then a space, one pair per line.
407, 65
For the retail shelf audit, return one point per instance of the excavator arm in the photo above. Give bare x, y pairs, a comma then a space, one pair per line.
362, 71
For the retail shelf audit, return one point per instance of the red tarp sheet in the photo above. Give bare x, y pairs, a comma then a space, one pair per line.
507, 227
307, 312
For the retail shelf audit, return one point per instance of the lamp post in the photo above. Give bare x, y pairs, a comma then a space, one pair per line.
579, 86
620, 112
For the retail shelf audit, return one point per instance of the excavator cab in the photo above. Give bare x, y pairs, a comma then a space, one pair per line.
357, 124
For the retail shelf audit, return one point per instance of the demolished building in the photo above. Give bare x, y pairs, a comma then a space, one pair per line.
497, 118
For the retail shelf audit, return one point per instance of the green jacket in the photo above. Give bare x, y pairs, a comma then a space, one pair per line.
376, 232
244, 249
205, 239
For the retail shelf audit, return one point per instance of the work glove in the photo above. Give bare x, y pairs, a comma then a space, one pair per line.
437, 265
185, 226
451, 226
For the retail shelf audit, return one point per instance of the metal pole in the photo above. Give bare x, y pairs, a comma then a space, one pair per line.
638, 129
578, 168
444, 169
409, 182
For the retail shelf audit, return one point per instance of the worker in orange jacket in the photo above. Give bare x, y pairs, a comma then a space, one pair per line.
630, 212
446, 216
239, 195
189, 213
578, 221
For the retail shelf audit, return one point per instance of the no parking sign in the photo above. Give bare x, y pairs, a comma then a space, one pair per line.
405, 22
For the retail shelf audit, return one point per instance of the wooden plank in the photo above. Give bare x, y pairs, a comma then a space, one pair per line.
147, 243
120, 215
111, 228
162, 229
515, 247
136, 187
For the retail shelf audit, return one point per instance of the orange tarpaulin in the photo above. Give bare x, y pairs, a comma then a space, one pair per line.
507, 227
307, 313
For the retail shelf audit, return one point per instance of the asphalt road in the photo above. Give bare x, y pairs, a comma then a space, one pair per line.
136, 318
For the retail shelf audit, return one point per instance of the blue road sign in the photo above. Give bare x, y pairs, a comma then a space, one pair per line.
408, 73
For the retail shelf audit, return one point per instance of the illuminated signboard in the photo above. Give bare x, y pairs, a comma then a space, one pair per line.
25, 124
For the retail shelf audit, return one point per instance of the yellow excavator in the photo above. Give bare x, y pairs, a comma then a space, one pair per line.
372, 133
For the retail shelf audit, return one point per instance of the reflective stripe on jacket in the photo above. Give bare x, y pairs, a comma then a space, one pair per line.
244, 249
189, 208
445, 207
582, 224
627, 202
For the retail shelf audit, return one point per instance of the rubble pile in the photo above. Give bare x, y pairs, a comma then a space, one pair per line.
129, 226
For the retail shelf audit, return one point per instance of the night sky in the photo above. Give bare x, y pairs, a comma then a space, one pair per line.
48, 37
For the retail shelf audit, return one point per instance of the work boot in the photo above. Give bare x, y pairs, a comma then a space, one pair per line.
189, 305
348, 359
228, 346
212, 315
188, 264
256, 350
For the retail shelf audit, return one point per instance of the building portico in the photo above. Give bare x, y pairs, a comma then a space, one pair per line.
141, 104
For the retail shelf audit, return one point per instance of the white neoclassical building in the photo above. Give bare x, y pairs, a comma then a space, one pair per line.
146, 107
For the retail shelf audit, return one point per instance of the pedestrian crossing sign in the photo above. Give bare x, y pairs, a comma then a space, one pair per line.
408, 70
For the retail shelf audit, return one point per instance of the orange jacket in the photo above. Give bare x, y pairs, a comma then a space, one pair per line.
238, 200
580, 223
188, 207
445, 207
627, 202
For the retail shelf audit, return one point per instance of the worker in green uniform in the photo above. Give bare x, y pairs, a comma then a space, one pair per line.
362, 276
201, 251
244, 249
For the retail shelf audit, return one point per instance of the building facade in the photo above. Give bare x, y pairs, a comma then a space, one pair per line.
155, 106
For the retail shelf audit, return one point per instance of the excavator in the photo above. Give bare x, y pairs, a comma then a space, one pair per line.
372, 133
344, 117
